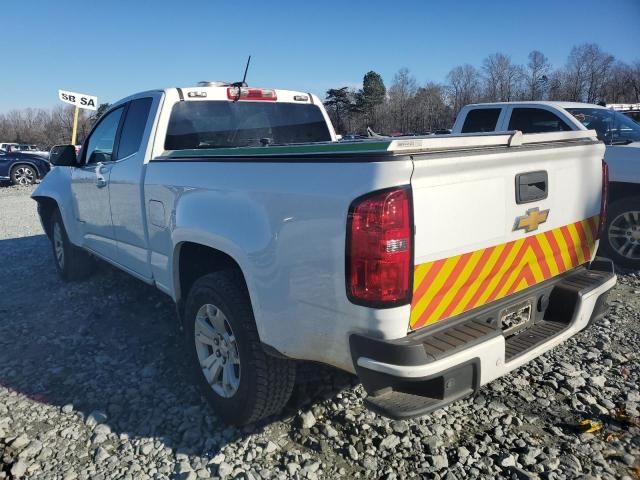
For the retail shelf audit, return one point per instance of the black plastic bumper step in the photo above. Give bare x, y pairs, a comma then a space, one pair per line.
446, 342
540, 332
402, 405
399, 404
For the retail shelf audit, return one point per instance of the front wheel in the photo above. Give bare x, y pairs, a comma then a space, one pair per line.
23, 175
72, 262
622, 235
242, 383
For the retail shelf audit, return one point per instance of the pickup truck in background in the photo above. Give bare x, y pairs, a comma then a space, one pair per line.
621, 135
426, 266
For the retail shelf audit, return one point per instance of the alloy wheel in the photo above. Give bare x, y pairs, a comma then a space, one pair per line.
24, 176
624, 234
217, 350
58, 246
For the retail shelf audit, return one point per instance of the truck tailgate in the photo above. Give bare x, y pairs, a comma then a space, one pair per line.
476, 242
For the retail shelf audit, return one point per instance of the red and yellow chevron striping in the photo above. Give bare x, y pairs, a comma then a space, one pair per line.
450, 286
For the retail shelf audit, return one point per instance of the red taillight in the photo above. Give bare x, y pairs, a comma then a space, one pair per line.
379, 249
245, 93
604, 200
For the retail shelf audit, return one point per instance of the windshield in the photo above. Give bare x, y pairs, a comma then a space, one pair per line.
224, 124
612, 127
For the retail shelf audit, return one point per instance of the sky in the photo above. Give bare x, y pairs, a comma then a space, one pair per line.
116, 48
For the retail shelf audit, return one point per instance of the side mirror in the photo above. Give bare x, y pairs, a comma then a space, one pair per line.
63, 156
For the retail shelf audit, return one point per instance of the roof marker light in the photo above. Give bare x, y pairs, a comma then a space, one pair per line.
246, 93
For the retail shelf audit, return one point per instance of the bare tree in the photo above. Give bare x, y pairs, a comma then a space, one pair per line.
537, 78
616, 88
586, 72
402, 90
557, 85
464, 86
503, 79
634, 82
431, 112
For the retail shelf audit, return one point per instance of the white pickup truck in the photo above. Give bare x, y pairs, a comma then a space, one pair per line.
426, 266
620, 134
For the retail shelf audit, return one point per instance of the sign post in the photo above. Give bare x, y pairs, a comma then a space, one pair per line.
75, 125
79, 100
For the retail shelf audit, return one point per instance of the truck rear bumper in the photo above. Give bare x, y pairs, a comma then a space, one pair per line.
439, 364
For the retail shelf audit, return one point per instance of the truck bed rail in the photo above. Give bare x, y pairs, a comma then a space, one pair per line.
388, 146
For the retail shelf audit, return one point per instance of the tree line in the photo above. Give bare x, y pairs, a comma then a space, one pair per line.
46, 128
589, 75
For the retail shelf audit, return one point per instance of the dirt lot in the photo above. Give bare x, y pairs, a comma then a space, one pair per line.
92, 385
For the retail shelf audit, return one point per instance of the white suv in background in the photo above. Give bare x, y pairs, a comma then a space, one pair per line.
621, 136
6, 146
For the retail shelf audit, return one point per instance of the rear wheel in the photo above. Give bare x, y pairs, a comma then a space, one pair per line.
23, 175
72, 262
242, 383
622, 235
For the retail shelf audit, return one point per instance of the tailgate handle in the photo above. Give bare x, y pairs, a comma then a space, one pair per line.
531, 186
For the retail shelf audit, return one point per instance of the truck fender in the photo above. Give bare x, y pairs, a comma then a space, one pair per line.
235, 225
57, 187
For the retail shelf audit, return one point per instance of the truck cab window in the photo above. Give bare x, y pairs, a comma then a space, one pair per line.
536, 120
481, 120
102, 140
133, 127
223, 124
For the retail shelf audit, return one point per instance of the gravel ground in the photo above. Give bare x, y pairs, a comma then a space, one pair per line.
93, 385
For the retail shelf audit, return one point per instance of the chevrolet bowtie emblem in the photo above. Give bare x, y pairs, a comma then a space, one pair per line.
531, 220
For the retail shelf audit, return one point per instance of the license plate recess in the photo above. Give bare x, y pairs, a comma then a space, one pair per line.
516, 317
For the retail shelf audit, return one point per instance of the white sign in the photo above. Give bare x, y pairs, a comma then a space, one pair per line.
79, 99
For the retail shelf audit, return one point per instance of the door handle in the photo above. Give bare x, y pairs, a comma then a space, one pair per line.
101, 181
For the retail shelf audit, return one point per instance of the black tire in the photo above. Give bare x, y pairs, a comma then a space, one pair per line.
265, 382
621, 238
72, 262
23, 174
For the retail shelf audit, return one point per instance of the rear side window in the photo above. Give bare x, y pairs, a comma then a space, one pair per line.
133, 127
481, 120
536, 120
225, 124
